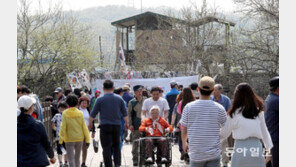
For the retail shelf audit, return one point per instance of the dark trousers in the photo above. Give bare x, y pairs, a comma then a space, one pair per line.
110, 141
275, 155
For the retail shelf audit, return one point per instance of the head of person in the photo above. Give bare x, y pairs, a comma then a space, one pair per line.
19, 92
138, 90
218, 88
154, 112
248, 102
48, 99
193, 86
118, 91
67, 92
97, 93
77, 92
145, 93
126, 89
179, 97
26, 106
83, 102
206, 86
86, 91
180, 87
187, 97
156, 93
59, 92
62, 106
108, 86
25, 90
72, 100
174, 84
274, 85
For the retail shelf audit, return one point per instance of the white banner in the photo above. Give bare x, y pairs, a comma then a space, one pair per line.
149, 83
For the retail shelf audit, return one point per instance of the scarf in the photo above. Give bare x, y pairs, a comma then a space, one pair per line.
159, 127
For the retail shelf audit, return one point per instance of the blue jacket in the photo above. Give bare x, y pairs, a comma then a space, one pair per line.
171, 98
127, 97
32, 143
224, 101
272, 116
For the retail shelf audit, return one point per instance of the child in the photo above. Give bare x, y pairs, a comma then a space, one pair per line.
56, 120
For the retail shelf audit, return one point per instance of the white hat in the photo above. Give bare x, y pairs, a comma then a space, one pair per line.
153, 108
26, 102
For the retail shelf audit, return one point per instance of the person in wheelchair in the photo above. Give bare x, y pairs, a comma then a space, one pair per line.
155, 126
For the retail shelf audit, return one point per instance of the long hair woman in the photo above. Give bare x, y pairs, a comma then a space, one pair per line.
246, 122
32, 141
187, 98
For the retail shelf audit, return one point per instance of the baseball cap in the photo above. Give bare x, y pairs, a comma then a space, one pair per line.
26, 102
137, 87
274, 82
58, 89
173, 83
97, 91
206, 83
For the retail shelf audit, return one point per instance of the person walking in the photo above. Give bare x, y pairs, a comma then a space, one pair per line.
201, 121
32, 141
37, 113
123, 131
187, 97
156, 99
56, 126
83, 102
194, 86
246, 122
171, 98
226, 103
110, 107
272, 118
73, 131
134, 116
59, 94
126, 94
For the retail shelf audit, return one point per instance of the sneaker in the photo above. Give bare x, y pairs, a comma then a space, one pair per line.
66, 165
83, 165
149, 159
61, 165
164, 160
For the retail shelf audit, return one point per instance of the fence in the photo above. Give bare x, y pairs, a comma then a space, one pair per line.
47, 121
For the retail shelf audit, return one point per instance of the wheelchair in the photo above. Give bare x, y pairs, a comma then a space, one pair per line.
155, 157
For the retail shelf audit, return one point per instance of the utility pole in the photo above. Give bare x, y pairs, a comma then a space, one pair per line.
141, 6
101, 54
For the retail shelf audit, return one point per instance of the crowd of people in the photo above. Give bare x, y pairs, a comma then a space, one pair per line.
209, 127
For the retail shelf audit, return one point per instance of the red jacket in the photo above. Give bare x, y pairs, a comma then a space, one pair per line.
148, 123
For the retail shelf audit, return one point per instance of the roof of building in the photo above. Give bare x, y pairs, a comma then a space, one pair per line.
131, 21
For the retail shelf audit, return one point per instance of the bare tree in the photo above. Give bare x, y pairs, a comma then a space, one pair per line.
50, 45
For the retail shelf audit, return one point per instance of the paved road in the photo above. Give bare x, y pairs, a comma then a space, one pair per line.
94, 159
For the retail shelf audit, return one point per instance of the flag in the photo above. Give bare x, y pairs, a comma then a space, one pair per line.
122, 57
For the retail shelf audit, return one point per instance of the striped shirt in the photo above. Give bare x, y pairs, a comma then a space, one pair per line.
203, 119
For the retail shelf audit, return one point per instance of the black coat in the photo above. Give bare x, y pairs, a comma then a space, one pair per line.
32, 143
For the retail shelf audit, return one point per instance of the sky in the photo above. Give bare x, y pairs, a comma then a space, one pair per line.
222, 5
